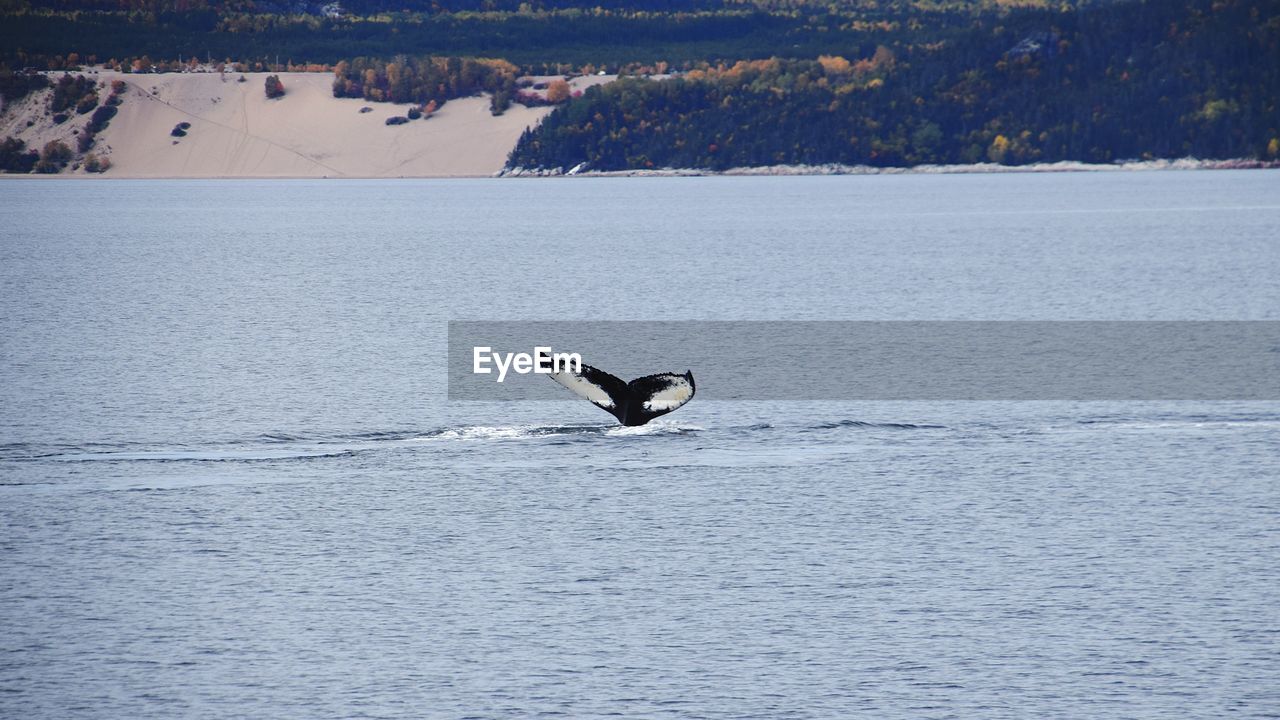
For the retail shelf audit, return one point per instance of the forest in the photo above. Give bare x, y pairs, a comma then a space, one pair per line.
1126, 80
427, 81
606, 34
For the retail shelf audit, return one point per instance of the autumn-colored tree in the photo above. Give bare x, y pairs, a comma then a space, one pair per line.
395, 78
557, 91
835, 65
999, 149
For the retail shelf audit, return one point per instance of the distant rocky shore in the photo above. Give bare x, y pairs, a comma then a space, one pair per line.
838, 169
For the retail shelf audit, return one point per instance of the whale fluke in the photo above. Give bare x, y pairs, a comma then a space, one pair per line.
633, 403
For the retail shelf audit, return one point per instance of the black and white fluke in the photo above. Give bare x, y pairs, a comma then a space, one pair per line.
633, 403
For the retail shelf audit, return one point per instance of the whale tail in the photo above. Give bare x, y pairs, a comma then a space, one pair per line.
632, 403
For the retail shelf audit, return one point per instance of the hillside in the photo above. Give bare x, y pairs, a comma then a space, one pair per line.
744, 84
1153, 79
235, 131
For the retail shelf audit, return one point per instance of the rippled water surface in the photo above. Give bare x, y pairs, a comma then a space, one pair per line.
231, 485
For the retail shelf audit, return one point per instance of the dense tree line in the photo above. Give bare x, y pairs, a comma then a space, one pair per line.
426, 80
374, 7
14, 86
586, 33
220, 8
1144, 79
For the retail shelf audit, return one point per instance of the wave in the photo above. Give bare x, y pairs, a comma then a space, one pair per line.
874, 425
523, 432
175, 455
1183, 422
282, 446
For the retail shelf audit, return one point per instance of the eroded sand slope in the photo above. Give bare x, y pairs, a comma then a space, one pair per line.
237, 132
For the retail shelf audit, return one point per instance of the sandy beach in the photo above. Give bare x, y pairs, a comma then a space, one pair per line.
237, 132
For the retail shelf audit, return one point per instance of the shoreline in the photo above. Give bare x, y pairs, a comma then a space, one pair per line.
1183, 164
970, 169
233, 131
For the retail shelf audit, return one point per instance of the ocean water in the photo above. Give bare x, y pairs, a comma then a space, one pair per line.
231, 484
